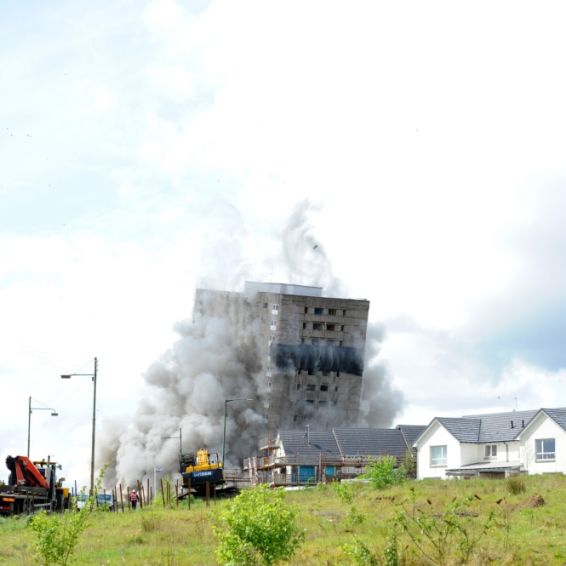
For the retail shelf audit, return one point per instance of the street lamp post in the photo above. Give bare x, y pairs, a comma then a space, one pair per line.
54, 413
93, 375
226, 401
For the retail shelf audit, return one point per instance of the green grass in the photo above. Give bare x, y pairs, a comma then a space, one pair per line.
520, 532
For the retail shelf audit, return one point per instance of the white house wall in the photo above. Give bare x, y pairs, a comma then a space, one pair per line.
475, 453
543, 427
437, 435
470, 454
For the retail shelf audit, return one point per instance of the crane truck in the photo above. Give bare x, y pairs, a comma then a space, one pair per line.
32, 486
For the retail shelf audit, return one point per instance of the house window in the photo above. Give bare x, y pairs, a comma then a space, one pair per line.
438, 456
264, 305
324, 387
304, 325
332, 312
320, 403
310, 387
274, 309
298, 386
490, 451
545, 449
317, 326
318, 310
273, 325
330, 327
306, 310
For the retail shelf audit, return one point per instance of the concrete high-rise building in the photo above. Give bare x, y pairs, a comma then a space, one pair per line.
310, 349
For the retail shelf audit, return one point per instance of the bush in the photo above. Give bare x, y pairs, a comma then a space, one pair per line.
57, 535
360, 554
345, 491
257, 528
150, 521
515, 485
447, 537
382, 472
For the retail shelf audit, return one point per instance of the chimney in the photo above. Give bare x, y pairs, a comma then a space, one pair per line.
512, 425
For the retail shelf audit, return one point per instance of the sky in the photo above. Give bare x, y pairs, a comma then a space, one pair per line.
150, 147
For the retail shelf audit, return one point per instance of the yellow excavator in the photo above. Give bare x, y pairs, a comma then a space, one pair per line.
201, 469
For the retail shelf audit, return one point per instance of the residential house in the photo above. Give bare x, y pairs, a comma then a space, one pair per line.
497, 444
299, 457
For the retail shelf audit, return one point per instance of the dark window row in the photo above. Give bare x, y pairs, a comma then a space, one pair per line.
321, 310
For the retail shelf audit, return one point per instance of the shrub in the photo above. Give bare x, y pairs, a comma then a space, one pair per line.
345, 491
449, 537
150, 521
515, 485
382, 472
257, 528
57, 535
360, 554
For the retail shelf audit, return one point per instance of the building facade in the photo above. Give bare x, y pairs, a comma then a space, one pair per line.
310, 347
493, 445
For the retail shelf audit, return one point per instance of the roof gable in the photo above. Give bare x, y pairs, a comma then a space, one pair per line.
557, 415
411, 433
462, 429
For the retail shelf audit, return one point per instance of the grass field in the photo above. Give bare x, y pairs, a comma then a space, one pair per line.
349, 525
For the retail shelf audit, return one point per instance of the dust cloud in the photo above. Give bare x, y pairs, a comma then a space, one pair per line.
217, 357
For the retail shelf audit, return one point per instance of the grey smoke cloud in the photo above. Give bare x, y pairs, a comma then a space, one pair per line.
381, 401
211, 362
304, 255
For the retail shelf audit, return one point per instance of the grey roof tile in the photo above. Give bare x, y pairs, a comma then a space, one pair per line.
371, 442
503, 427
311, 443
347, 442
557, 415
411, 433
462, 429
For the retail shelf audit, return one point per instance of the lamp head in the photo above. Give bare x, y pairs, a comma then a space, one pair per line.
66, 376
54, 414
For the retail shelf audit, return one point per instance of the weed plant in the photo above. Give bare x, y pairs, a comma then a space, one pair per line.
524, 529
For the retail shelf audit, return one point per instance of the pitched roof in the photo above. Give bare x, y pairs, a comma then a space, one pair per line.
310, 443
348, 442
411, 433
557, 415
462, 429
370, 442
496, 427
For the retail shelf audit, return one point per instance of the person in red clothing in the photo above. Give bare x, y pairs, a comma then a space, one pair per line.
133, 498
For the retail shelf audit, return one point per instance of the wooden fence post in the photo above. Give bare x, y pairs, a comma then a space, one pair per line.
140, 494
121, 498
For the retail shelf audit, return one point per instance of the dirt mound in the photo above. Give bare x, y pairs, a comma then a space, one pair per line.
535, 501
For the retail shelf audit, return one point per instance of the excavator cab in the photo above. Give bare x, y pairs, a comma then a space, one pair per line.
201, 469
